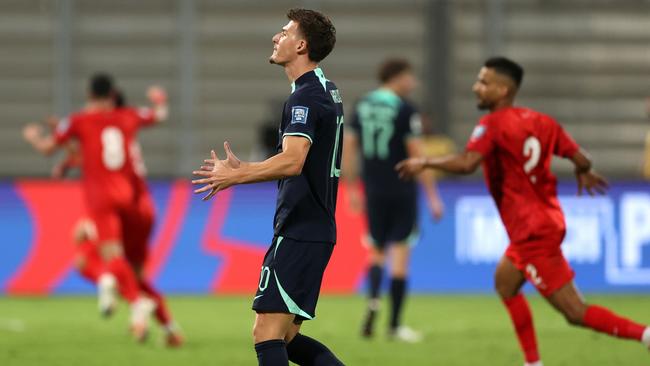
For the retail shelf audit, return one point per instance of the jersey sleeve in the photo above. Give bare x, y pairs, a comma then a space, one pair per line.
303, 116
145, 116
65, 130
411, 120
482, 139
354, 126
565, 146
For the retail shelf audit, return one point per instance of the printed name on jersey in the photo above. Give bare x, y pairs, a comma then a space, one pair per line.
478, 132
63, 125
336, 96
299, 115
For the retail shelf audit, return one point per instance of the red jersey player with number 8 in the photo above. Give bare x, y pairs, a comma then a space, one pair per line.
110, 185
515, 146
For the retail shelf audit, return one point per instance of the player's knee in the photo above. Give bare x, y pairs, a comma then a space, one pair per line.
574, 316
263, 331
79, 263
503, 289
111, 250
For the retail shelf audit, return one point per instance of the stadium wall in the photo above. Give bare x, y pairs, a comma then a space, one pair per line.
217, 246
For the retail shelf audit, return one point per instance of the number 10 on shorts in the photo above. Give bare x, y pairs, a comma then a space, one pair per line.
265, 274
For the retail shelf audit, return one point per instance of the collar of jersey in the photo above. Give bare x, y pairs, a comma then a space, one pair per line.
304, 78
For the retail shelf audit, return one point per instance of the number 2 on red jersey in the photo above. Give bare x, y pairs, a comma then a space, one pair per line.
533, 151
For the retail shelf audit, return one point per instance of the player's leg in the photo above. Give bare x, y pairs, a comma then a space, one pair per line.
375, 274
403, 233
568, 301
138, 225
508, 280
87, 260
304, 350
288, 291
269, 332
400, 257
378, 215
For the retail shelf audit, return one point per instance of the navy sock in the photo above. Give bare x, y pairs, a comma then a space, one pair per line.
272, 353
306, 351
397, 294
374, 281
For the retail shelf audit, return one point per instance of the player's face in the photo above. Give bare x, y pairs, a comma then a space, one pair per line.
489, 88
287, 44
406, 83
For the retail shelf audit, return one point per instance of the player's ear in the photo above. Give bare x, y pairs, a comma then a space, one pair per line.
301, 48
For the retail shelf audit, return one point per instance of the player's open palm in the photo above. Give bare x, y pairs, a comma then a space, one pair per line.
410, 167
31, 132
217, 173
592, 182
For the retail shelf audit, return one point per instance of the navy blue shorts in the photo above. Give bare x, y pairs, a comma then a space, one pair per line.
391, 218
291, 277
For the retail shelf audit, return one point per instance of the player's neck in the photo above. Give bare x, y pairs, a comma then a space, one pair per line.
502, 104
99, 105
296, 69
392, 88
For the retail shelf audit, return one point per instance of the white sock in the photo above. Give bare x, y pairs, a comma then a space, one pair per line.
538, 363
645, 339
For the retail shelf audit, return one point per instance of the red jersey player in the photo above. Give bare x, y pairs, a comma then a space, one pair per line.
138, 225
515, 146
109, 183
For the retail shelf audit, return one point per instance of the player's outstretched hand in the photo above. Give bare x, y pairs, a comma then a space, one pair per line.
437, 208
52, 122
592, 182
355, 199
157, 95
410, 167
32, 131
217, 173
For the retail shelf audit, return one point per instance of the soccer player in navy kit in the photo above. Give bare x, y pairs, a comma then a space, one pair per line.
385, 128
307, 167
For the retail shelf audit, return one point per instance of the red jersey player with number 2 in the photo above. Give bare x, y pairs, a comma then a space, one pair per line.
515, 145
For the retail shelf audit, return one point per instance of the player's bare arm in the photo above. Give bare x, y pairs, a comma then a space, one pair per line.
226, 173
465, 163
587, 178
350, 171
42, 143
158, 98
426, 178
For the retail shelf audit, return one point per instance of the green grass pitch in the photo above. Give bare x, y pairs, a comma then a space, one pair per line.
459, 330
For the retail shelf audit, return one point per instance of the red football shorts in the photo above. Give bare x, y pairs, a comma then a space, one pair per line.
542, 262
108, 223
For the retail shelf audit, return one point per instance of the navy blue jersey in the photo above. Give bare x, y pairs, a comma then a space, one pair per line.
307, 202
384, 122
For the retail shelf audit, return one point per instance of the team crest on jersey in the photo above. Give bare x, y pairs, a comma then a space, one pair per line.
478, 132
299, 114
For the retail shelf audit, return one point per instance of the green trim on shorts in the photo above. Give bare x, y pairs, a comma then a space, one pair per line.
291, 305
413, 238
277, 245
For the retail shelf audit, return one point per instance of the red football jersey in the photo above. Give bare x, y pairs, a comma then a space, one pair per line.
517, 145
107, 165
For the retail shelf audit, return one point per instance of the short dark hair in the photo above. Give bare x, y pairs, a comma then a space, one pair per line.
318, 31
506, 67
101, 85
391, 68
119, 99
